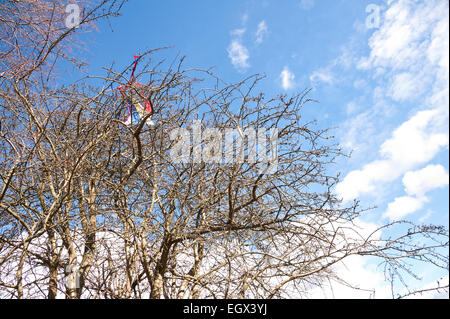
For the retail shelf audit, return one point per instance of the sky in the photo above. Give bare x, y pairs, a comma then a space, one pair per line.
379, 70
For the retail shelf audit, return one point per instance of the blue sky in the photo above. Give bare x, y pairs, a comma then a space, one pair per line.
382, 83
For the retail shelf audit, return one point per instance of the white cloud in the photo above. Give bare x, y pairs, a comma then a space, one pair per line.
238, 55
417, 140
287, 79
409, 30
261, 32
410, 50
421, 181
406, 86
403, 206
357, 133
307, 4
417, 183
237, 51
412, 143
408, 61
438, 52
362, 181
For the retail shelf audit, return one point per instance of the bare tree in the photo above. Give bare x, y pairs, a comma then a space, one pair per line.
92, 208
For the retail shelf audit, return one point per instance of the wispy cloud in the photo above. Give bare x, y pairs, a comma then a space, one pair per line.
426, 216
238, 32
287, 79
238, 55
261, 31
322, 75
328, 74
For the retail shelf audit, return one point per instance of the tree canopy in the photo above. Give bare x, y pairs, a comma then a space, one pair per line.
93, 208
